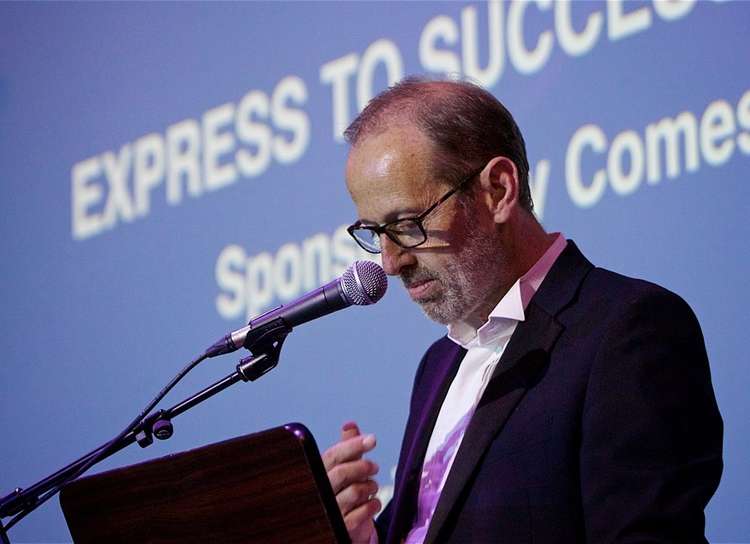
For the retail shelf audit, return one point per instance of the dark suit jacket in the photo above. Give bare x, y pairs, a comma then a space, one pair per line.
598, 425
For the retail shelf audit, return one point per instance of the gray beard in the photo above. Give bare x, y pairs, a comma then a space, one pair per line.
464, 283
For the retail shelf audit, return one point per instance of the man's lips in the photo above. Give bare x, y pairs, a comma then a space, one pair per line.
420, 288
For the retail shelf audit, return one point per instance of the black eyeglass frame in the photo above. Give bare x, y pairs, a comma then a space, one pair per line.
417, 220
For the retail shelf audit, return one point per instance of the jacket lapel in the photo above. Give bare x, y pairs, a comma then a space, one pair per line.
526, 354
523, 358
405, 494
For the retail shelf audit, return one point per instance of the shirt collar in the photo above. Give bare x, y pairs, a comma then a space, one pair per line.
511, 308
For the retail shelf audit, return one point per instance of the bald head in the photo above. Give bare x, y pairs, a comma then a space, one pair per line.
466, 125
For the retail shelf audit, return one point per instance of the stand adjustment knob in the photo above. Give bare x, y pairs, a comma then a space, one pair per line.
163, 429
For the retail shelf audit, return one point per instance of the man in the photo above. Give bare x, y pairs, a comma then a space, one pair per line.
567, 404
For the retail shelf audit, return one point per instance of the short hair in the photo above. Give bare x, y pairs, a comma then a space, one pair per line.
466, 123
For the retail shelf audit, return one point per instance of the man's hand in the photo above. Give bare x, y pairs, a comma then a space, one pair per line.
351, 479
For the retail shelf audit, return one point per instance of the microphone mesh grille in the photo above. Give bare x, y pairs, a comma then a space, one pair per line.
364, 282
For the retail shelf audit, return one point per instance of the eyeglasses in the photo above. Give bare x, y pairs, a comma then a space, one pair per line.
407, 232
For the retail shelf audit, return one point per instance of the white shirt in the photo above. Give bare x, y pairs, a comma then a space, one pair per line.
484, 348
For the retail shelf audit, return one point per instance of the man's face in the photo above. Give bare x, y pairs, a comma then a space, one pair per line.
390, 176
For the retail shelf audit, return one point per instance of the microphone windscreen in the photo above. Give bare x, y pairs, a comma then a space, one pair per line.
364, 282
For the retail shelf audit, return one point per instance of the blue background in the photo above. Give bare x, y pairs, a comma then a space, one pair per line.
91, 329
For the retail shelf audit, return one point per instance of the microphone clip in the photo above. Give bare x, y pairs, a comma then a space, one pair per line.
265, 346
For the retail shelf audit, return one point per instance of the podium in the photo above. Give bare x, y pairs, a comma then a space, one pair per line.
268, 487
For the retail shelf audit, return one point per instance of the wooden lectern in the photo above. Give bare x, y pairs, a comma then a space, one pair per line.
266, 487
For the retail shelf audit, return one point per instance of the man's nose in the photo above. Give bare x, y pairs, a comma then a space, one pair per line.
394, 257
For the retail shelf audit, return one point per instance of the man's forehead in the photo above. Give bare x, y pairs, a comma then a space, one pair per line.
390, 173
397, 150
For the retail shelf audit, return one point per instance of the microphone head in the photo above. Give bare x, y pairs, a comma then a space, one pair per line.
364, 282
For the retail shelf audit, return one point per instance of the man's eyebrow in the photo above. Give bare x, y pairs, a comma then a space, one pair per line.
366, 222
406, 213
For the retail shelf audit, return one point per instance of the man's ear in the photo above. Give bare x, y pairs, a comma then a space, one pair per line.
499, 181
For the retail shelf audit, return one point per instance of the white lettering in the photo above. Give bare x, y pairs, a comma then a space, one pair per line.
253, 284
743, 118
216, 144
576, 43
229, 273
621, 25
669, 10
717, 123
629, 143
584, 195
337, 73
287, 272
527, 61
259, 286
627, 160
317, 250
345, 251
116, 170
444, 29
183, 148
290, 89
254, 103
490, 75
379, 52
190, 156
85, 194
148, 169
668, 130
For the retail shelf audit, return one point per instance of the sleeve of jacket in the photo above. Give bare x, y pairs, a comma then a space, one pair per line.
651, 441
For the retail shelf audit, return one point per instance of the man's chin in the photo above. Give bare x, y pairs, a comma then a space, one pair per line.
434, 302
436, 311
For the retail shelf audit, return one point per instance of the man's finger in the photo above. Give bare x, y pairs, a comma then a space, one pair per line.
349, 430
361, 515
356, 495
348, 450
345, 474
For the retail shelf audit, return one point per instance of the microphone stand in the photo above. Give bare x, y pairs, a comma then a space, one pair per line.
265, 349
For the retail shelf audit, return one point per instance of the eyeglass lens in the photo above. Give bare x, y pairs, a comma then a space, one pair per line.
406, 232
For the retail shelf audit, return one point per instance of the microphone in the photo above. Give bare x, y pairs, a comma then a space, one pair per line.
363, 283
